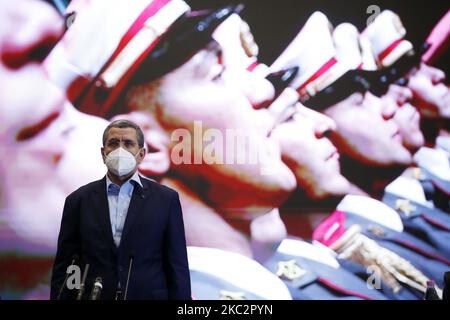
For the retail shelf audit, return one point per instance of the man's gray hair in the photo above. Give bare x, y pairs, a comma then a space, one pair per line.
122, 123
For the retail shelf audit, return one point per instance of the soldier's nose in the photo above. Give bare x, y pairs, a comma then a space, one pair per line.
388, 109
402, 95
259, 91
324, 127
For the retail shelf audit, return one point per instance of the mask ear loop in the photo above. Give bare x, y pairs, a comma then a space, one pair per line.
138, 154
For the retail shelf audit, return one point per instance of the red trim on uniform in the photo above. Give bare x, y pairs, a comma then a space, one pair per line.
253, 66
438, 185
327, 65
319, 234
421, 251
220, 58
76, 88
434, 222
343, 290
360, 66
389, 49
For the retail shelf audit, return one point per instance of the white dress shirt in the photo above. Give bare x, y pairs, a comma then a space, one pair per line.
118, 201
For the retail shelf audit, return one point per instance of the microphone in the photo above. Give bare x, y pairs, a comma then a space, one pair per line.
81, 291
446, 291
74, 258
96, 289
128, 276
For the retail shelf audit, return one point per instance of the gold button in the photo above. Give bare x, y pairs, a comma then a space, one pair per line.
290, 270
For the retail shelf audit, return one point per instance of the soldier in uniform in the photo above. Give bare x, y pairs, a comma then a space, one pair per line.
435, 166
328, 80
218, 274
303, 133
383, 46
41, 140
365, 233
312, 273
387, 37
390, 49
376, 47
419, 216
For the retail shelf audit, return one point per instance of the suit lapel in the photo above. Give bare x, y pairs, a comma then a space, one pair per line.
102, 208
138, 199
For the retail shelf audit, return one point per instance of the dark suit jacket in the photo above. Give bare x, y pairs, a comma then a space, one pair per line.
153, 235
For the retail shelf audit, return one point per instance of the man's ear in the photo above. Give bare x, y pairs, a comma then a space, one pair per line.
157, 160
142, 153
102, 150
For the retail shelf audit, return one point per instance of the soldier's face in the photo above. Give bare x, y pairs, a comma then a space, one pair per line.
406, 116
431, 94
367, 132
307, 150
302, 135
202, 91
28, 101
41, 140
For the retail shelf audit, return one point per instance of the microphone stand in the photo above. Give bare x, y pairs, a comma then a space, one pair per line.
96, 289
74, 258
128, 278
81, 291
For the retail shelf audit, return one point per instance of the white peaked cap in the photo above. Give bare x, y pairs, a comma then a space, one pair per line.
353, 50
309, 251
346, 42
228, 35
238, 270
386, 35
443, 143
314, 52
103, 29
371, 209
235, 37
407, 188
310, 50
369, 62
435, 161
92, 38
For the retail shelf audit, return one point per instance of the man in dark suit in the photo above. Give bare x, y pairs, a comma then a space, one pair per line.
124, 225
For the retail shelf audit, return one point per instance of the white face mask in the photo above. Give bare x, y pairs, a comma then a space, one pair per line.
120, 162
